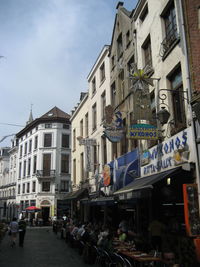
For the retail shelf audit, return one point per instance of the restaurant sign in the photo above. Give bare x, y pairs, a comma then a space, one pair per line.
170, 153
143, 131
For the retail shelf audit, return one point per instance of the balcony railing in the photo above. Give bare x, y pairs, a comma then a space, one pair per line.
46, 174
168, 43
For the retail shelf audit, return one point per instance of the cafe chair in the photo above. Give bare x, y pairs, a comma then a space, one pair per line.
119, 260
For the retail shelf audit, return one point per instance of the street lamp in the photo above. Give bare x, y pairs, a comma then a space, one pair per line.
163, 115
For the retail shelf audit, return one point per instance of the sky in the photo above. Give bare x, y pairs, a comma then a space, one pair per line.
48, 48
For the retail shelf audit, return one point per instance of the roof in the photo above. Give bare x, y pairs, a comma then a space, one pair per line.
53, 115
56, 113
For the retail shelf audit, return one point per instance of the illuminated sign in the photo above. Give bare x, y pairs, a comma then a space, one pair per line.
143, 131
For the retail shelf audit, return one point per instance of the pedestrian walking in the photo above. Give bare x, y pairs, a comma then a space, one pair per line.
14, 227
22, 231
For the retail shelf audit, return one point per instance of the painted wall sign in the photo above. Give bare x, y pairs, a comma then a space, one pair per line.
114, 129
174, 151
143, 131
106, 175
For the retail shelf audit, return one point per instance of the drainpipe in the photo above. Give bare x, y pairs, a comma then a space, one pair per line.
188, 84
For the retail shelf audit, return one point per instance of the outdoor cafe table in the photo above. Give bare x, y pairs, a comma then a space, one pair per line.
139, 256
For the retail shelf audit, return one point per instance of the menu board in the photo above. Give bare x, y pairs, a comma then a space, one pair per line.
191, 209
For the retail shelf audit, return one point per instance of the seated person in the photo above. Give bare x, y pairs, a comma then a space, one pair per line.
168, 259
122, 235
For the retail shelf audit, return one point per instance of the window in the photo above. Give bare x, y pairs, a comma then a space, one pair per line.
26, 203
34, 164
21, 149
23, 188
28, 188
33, 186
74, 171
104, 152
124, 142
36, 142
94, 117
86, 125
171, 33
30, 145
128, 41
144, 13
119, 46
82, 167
45, 186
46, 164
25, 149
113, 95
103, 105
74, 139
129, 69
121, 85
114, 150
93, 86
112, 62
65, 140
95, 158
24, 174
64, 186
47, 140
18, 191
64, 163
102, 72
20, 170
65, 126
29, 166
81, 128
147, 52
32, 202
48, 125
178, 100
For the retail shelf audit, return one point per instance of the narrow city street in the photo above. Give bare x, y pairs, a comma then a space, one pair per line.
42, 248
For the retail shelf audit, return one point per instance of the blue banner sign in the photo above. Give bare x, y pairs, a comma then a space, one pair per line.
143, 131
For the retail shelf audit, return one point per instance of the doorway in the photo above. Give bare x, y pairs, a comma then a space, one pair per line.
45, 215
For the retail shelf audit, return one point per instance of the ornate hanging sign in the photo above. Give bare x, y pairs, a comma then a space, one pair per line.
88, 143
143, 131
114, 129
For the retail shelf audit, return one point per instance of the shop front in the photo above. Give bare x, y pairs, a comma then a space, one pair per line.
158, 193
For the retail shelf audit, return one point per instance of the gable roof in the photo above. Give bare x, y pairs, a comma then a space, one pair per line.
125, 12
55, 113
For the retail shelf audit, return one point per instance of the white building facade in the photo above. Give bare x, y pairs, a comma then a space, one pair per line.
87, 127
44, 162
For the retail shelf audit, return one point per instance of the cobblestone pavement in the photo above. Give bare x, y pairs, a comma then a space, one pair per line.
42, 248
